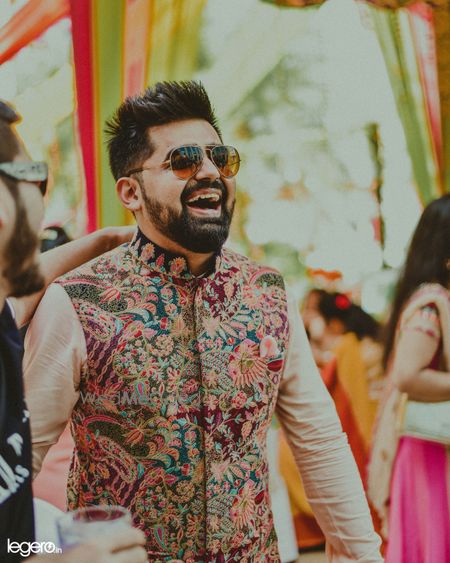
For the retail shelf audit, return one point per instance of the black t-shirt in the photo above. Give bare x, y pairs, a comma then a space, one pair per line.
16, 501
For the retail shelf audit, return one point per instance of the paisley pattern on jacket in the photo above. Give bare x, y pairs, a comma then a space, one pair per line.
176, 398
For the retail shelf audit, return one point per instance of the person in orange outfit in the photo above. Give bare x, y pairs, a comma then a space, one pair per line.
347, 344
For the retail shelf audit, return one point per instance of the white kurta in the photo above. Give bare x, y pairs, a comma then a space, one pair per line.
55, 357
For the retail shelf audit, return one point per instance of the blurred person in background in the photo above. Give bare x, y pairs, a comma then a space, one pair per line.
289, 504
313, 321
23, 278
348, 349
409, 470
354, 374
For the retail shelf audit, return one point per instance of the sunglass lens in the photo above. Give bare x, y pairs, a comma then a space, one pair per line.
185, 161
226, 159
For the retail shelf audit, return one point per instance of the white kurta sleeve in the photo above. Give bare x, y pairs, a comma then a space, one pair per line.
55, 354
320, 447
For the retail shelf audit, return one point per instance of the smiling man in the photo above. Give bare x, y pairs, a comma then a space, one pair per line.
171, 354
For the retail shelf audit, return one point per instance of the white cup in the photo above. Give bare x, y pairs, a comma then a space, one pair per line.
89, 523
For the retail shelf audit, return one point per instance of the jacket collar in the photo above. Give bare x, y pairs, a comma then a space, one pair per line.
161, 261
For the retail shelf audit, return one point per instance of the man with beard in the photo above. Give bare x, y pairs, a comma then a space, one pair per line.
174, 353
22, 186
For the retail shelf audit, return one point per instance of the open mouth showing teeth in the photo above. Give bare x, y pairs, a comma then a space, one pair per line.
205, 201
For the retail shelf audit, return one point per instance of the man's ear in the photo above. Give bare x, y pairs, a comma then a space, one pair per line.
129, 192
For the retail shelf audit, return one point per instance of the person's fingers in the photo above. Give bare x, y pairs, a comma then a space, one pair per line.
125, 547
123, 539
133, 555
85, 553
46, 559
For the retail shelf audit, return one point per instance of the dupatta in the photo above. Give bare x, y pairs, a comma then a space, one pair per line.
387, 431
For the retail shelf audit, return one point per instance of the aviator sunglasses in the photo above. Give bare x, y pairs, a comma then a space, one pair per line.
33, 172
186, 161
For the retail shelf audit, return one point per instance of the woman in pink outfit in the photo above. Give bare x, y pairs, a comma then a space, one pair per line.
409, 476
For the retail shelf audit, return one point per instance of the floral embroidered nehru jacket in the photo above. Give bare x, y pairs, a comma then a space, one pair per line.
175, 380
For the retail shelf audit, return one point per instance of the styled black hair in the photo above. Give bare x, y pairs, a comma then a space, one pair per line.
426, 261
353, 317
166, 102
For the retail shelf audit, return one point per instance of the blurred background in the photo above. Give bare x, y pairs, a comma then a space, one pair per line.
340, 110
335, 107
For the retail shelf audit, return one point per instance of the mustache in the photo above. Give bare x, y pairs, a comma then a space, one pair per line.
201, 185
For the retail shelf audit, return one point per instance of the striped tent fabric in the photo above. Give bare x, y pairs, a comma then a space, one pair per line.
394, 4
119, 47
115, 56
415, 40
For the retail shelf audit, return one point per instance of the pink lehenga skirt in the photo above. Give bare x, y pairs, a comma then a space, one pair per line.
419, 515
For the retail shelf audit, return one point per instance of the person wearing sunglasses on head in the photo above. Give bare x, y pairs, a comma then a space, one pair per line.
23, 277
171, 355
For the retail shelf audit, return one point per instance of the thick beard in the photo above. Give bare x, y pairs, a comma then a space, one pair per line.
201, 235
22, 272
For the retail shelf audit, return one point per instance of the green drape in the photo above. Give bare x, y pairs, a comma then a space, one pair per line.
430, 157
174, 39
395, 37
442, 31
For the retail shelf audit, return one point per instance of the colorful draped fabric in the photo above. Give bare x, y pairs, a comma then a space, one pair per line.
378, 3
407, 41
28, 23
415, 41
441, 19
187, 455
119, 48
